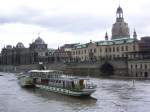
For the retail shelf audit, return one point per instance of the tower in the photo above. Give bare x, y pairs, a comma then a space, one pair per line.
119, 15
120, 28
134, 34
106, 36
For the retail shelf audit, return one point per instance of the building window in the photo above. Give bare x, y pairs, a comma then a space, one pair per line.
94, 50
141, 66
133, 47
117, 49
136, 74
109, 49
85, 51
113, 49
90, 50
100, 50
122, 48
126, 48
136, 66
131, 66
145, 66
105, 49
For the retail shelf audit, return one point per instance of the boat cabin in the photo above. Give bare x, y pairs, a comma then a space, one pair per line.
56, 78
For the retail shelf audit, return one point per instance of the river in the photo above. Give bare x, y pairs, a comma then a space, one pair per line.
112, 95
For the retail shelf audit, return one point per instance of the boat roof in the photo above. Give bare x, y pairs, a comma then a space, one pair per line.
44, 71
73, 78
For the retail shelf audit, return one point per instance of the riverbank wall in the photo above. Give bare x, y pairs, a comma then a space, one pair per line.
85, 69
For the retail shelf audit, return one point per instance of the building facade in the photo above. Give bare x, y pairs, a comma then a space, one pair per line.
139, 62
139, 68
39, 51
63, 54
19, 55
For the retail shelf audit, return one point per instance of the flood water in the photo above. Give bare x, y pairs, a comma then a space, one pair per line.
111, 96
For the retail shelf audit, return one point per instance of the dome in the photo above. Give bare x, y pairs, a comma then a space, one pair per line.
19, 45
39, 41
119, 10
120, 30
8, 46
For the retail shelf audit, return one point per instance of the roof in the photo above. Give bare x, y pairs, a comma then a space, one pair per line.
108, 42
116, 41
20, 45
39, 40
44, 71
81, 46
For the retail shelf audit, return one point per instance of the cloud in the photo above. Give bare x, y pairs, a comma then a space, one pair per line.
67, 21
76, 23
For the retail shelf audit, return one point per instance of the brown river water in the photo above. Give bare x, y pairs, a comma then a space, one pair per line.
112, 95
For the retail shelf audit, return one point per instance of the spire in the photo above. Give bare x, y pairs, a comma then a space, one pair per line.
134, 34
106, 36
119, 14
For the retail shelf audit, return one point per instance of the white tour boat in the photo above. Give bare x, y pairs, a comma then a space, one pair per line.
56, 81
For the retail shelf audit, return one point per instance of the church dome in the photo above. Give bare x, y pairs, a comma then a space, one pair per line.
120, 28
20, 45
39, 41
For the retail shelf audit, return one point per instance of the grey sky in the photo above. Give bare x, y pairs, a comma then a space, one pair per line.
67, 21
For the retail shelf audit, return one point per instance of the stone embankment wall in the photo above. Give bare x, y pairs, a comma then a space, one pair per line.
91, 69
21, 68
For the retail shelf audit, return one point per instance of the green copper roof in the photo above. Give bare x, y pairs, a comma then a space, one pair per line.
81, 46
108, 42
116, 41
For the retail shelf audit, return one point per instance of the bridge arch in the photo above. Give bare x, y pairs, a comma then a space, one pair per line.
107, 69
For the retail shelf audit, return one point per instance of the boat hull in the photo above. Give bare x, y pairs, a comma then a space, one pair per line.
26, 82
66, 91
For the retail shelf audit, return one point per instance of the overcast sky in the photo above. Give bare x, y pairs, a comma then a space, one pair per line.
68, 21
